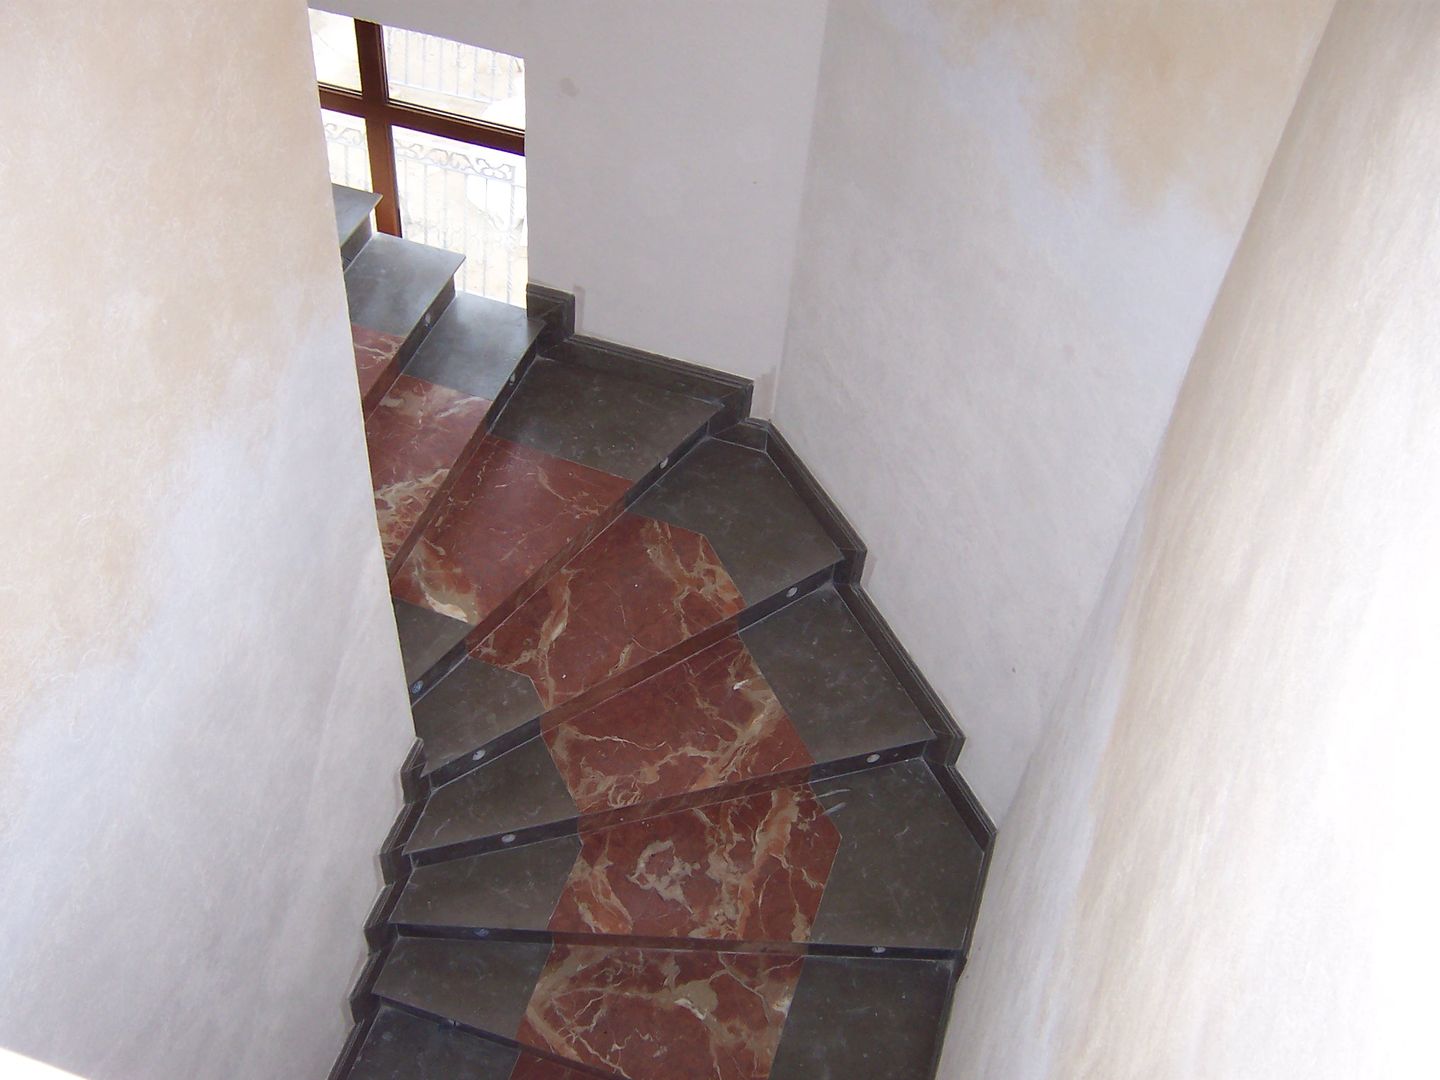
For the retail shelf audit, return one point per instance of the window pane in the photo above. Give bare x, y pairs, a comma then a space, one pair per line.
470, 200
346, 145
446, 75
333, 39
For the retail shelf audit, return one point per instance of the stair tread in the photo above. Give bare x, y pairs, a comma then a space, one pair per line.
415, 435
352, 209
557, 464
871, 858
599, 419
651, 1014
737, 498
402, 1046
815, 692
393, 282
475, 346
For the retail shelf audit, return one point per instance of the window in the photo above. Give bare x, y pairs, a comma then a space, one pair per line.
437, 129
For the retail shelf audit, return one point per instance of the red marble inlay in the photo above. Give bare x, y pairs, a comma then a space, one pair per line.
513, 510
532, 1067
376, 359
639, 588
415, 436
707, 721
659, 1015
748, 869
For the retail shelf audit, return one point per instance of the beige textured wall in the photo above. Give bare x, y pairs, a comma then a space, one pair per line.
1221, 862
1016, 218
201, 701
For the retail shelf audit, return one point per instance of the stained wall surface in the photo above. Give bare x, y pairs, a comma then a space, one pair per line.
202, 708
1221, 860
1016, 217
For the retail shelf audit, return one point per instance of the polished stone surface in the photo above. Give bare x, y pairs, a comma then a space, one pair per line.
654, 1015
520, 789
859, 1018
415, 436
393, 282
709, 720
889, 862
840, 695
472, 705
485, 985
475, 345
736, 498
751, 869
513, 888
908, 869
425, 637
402, 1046
511, 510
599, 419
377, 363
638, 589
352, 206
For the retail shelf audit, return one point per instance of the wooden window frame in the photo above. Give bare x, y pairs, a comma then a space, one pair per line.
383, 114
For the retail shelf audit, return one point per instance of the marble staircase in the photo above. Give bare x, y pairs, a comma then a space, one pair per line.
680, 805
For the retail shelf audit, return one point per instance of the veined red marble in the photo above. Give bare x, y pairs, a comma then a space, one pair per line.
710, 720
639, 588
658, 1015
748, 869
513, 510
415, 436
376, 357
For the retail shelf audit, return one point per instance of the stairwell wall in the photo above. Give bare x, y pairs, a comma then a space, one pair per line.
202, 707
665, 157
1221, 862
1015, 220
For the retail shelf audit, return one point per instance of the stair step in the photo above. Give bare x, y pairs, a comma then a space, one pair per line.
415, 436
559, 461
396, 289
434, 415
720, 536
804, 689
405, 1046
352, 219
649, 1014
878, 858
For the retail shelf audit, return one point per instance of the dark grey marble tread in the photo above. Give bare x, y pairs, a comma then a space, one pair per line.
394, 283
474, 705
853, 1018
425, 636
762, 530
599, 419
520, 790
843, 701
848, 1017
402, 1046
475, 346
905, 875
352, 218
837, 690
484, 985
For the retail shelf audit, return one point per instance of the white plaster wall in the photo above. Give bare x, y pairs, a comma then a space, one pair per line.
665, 156
1221, 862
202, 708
1015, 221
